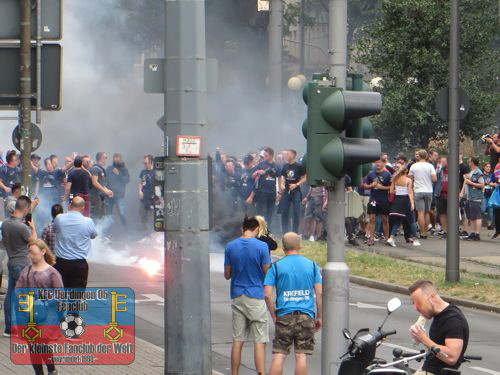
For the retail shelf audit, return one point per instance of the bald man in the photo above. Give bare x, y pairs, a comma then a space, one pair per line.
298, 289
449, 330
74, 233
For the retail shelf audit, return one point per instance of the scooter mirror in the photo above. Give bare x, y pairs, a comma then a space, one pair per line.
346, 333
393, 305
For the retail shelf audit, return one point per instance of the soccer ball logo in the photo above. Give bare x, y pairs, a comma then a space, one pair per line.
72, 326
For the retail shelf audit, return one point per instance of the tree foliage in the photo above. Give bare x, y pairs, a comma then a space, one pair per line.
408, 46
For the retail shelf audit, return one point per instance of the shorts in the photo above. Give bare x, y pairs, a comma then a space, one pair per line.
294, 329
473, 210
250, 318
442, 206
423, 201
379, 207
314, 209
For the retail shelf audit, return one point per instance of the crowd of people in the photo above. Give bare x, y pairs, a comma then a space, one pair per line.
64, 207
101, 186
411, 194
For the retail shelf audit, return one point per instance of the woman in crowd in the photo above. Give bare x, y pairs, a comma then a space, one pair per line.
41, 274
402, 207
489, 186
494, 201
264, 234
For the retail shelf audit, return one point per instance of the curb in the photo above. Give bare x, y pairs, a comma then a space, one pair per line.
402, 290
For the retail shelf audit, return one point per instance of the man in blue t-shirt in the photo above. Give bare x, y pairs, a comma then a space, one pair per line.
379, 183
246, 262
298, 289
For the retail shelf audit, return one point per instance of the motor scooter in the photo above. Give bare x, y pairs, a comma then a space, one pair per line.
362, 348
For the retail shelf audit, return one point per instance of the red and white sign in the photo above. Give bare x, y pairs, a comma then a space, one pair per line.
188, 146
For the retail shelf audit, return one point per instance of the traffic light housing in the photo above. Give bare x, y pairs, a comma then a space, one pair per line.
331, 153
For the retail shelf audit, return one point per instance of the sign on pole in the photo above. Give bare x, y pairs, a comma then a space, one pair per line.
51, 77
10, 20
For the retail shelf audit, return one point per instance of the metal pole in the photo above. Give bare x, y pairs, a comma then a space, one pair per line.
336, 272
275, 54
187, 273
302, 38
38, 61
452, 239
25, 102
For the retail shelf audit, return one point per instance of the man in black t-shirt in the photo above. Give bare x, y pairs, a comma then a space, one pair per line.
265, 175
78, 184
99, 190
293, 175
449, 330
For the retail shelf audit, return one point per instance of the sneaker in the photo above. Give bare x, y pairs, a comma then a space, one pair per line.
470, 237
476, 237
370, 242
53, 372
463, 233
491, 227
6, 334
311, 239
353, 242
416, 243
443, 236
391, 242
408, 240
495, 235
423, 237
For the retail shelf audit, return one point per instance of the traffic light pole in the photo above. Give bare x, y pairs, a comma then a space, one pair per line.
25, 102
187, 274
452, 240
336, 272
275, 56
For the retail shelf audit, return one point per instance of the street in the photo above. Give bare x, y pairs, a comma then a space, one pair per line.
367, 310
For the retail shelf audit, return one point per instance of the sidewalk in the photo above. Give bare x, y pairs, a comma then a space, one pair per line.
475, 256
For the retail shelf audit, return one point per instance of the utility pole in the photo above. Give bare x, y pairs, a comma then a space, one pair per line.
452, 240
302, 38
187, 274
275, 55
25, 86
336, 272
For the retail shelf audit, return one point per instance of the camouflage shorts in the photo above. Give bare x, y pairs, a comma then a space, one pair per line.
294, 329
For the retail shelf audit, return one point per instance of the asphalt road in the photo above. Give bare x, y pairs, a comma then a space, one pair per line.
367, 310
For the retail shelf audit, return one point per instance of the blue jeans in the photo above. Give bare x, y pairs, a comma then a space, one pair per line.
294, 199
120, 205
488, 210
14, 273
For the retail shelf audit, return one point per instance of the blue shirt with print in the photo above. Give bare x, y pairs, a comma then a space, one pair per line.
246, 256
384, 178
294, 277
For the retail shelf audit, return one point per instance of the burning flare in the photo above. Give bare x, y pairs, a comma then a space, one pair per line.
151, 266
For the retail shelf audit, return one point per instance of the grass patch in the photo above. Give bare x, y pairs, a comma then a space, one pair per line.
475, 287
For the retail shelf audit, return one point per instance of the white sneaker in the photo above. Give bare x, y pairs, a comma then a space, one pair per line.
311, 238
391, 242
5, 334
416, 243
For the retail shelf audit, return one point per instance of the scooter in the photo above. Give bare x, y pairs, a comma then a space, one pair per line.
402, 360
363, 346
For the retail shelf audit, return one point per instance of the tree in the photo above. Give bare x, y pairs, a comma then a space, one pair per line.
408, 47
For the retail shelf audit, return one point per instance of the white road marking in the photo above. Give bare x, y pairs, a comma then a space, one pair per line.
406, 349
362, 305
485, 370
160, 301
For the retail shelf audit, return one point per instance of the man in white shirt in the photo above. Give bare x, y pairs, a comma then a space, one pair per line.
423, 175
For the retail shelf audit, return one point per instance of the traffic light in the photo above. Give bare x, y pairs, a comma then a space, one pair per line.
330, 112
359, 128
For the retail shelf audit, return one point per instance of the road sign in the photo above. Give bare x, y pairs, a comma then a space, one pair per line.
36, 137
442, 104
10, 20
51, 76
